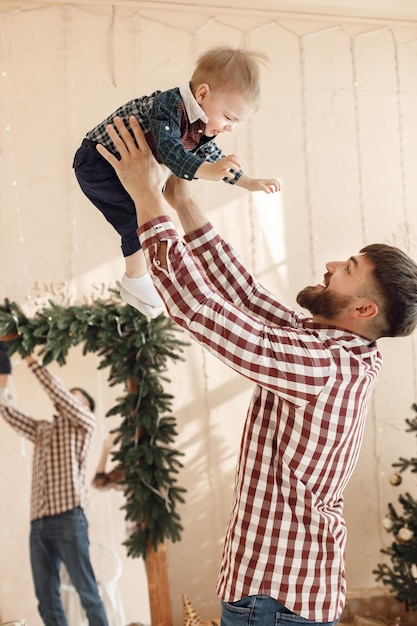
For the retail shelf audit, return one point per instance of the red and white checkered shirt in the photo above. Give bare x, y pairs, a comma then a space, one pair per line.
60, 448
286, 534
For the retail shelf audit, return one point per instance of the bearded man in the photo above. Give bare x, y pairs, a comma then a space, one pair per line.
284, 552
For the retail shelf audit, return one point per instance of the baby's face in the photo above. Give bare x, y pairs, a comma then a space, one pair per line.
224, 111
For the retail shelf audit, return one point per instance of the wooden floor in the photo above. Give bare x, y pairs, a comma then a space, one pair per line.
376, 607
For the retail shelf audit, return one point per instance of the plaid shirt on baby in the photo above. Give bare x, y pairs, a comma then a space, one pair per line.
286, 534
173, 124
60, 449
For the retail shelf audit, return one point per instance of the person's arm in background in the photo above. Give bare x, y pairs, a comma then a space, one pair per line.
22, 423
103, 479
67, 404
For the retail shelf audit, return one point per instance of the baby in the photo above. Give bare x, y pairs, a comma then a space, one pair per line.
180, 126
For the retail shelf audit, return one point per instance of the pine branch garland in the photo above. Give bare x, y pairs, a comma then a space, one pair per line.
136, 351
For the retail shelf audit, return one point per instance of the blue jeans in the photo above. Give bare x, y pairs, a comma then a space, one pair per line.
261, 610
63, 539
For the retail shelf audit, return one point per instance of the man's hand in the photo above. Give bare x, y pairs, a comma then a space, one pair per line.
138, 171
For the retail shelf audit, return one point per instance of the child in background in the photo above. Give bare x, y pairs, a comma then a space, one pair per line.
180, 126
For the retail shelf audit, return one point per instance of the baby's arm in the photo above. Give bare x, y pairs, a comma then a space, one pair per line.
228, 172
268, 185
223, 168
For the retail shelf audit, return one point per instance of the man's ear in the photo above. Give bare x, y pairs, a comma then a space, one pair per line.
364, 309
202, 92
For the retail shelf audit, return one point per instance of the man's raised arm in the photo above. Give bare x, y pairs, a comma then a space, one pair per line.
143, 178
138, 171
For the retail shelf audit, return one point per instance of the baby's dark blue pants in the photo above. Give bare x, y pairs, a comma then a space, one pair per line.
100, 183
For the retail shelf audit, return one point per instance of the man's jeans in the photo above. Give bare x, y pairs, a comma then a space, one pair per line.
64, 539
261, 610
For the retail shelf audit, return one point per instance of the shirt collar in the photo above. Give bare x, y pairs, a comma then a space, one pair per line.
344, 337
194, 110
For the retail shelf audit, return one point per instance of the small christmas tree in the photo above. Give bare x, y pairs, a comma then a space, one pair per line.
401, 575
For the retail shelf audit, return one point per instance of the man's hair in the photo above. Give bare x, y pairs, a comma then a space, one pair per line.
395, 275
229, 70
89, 399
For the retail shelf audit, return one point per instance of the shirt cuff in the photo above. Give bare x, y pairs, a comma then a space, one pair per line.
158, 229
234, 177
162, 228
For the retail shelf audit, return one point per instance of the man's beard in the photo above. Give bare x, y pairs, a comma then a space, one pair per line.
323, 302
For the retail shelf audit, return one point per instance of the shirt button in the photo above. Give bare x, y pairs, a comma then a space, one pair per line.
186, 176
166, 127
200, 131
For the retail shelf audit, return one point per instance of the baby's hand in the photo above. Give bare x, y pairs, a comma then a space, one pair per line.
223, 168
268, 185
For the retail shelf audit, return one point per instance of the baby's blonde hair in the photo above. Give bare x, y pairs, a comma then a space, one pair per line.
228, 70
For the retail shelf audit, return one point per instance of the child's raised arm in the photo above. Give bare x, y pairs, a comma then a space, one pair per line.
268, 185
220, 169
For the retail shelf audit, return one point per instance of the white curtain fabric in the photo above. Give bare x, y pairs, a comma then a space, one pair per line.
111, 600
107, 569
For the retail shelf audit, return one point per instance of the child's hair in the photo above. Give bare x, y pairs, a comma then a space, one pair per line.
227, 70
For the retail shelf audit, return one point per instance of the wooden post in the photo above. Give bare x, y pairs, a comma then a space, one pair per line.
158, 586
157, 573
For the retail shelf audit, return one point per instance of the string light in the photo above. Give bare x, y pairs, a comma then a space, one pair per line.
408, 243
6, 108
358, 143
74, 193
307, 157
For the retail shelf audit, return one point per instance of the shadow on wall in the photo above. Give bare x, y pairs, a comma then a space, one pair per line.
210, 429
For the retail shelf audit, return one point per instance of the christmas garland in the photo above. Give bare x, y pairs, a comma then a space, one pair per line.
136, 351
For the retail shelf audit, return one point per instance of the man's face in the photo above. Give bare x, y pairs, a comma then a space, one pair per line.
325, 303
343, 283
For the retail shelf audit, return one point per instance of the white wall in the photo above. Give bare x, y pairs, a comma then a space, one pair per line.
337, 125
